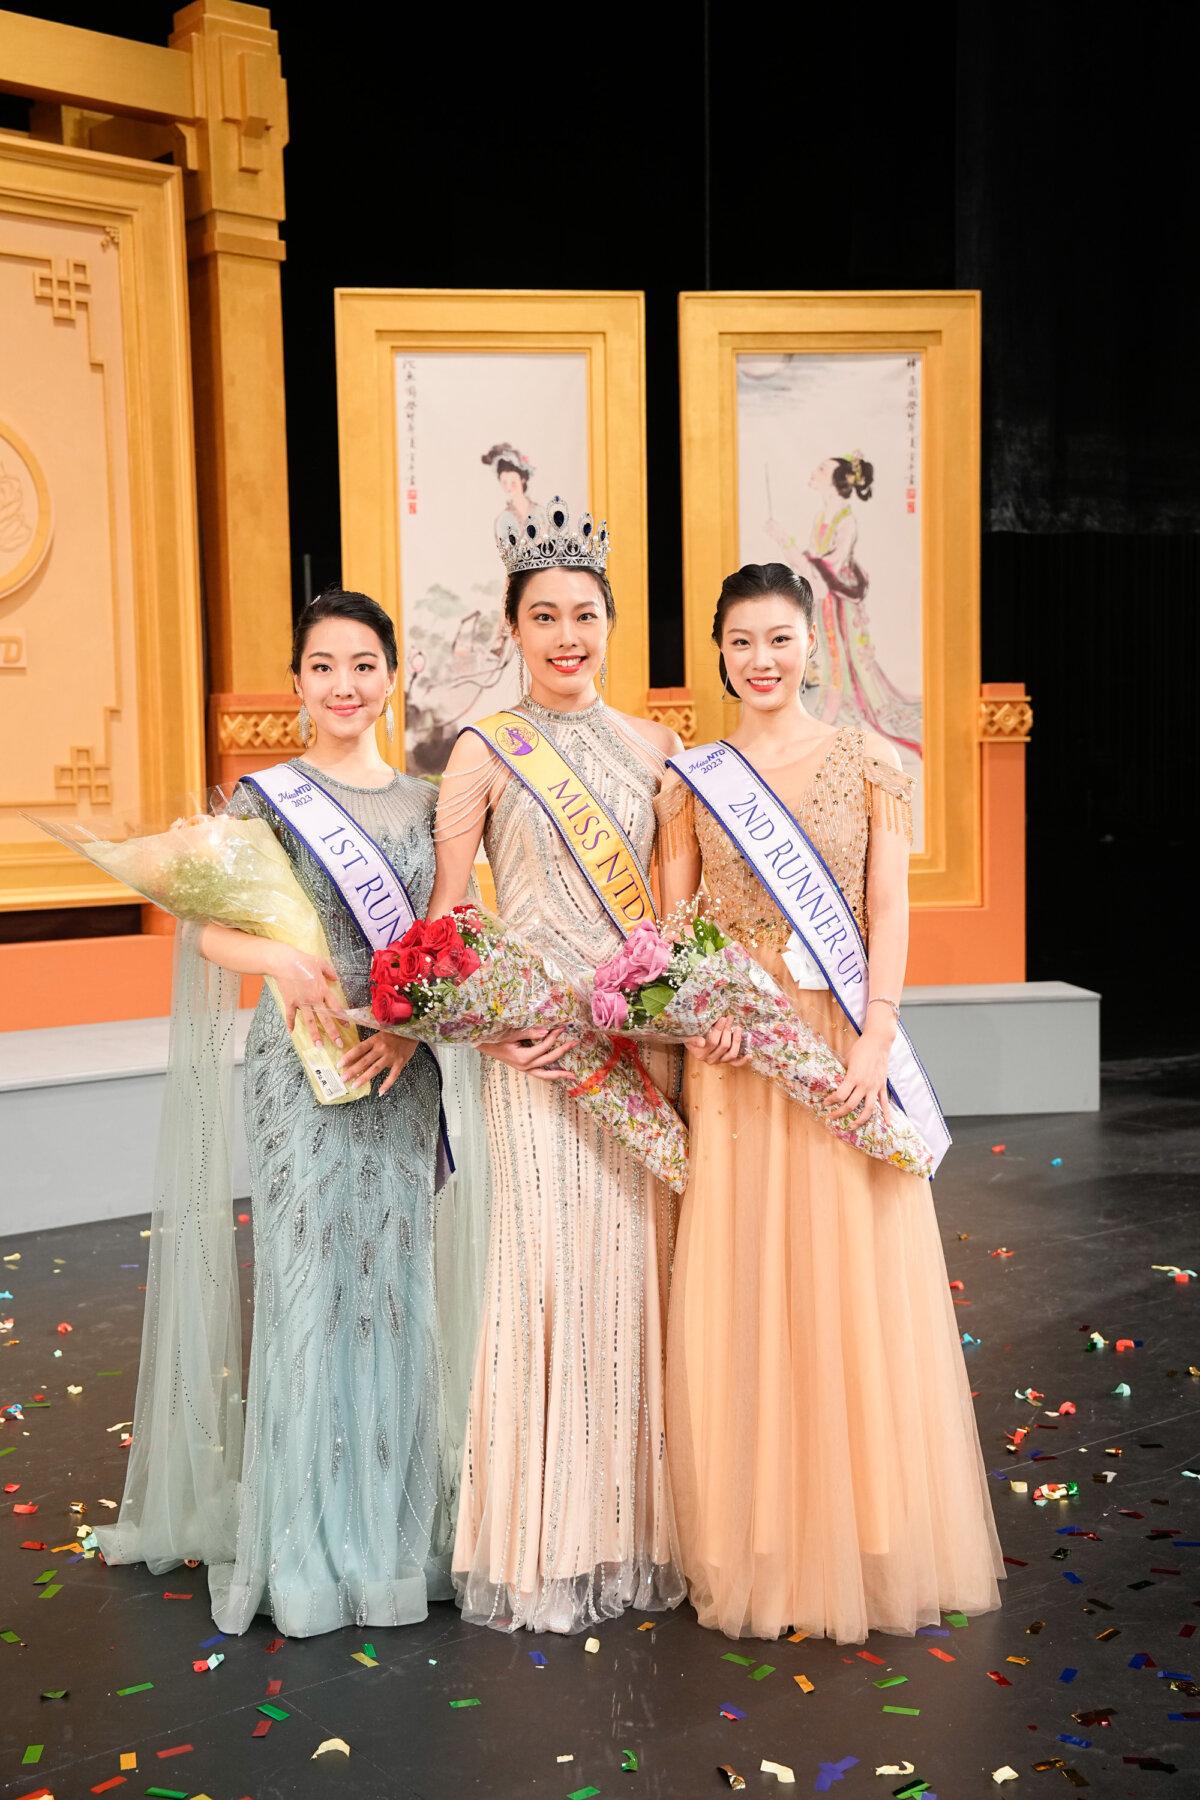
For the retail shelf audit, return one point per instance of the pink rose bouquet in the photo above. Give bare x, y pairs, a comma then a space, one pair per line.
468, 979
676, 979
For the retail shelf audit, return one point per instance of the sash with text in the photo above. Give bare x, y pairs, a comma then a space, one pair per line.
803, 887
598, 846
359, 871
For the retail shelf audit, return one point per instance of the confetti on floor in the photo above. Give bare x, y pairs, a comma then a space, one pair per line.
1105, 1562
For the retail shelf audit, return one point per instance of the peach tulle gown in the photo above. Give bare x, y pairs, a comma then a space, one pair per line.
824, 1455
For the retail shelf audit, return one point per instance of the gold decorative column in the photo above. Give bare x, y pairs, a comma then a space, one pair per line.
234, 201
251, 730
675, 708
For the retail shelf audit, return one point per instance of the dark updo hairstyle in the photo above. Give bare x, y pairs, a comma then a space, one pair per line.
759, 581
518, 582
499, 462
337, 603
853, 476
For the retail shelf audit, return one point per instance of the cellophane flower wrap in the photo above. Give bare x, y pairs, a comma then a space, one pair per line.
466, 978
676, 979
215, 869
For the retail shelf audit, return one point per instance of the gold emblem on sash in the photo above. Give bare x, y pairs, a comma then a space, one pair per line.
596, 843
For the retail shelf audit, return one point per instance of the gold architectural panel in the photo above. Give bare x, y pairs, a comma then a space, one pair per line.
380, 333
934, 342
275, 730
214, 103
1006, 721
26, 517
12, 650
64, 284
53, 62
99, 599
85, 779
674, 708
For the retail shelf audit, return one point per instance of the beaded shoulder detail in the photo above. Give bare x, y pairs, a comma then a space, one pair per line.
883, 775
675, 812
836, 805
672, 798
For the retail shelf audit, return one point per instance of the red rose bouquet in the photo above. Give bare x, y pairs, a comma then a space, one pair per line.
466, 979
414, 976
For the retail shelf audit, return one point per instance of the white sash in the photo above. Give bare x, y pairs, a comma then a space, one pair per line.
359, 872
802, 886
371, 890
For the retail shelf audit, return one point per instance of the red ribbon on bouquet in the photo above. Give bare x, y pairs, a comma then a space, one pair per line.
621, 1047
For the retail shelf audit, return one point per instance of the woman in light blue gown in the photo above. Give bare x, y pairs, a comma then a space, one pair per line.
340, 1511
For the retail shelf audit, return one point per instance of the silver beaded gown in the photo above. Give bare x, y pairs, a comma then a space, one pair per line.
565, 1514
345, 1507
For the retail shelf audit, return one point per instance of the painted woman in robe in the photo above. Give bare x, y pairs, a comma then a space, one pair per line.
854, 689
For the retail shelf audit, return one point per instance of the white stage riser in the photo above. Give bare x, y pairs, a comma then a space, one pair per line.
1024, 1047
79, 1108
87, 1151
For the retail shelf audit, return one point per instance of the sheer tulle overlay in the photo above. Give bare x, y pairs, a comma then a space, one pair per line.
180, 1498
366, 1289
346, 1501
824, 1454
565, 1509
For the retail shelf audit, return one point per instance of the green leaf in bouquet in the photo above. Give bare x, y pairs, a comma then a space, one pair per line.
655, 999
709, 937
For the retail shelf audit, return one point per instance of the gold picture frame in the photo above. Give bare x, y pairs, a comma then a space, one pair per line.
943, 330
126, 216
375, 326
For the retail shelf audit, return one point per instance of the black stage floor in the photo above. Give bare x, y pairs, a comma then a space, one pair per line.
1104, 1693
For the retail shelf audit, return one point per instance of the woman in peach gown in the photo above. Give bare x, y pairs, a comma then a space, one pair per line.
565, 1509
823, 1450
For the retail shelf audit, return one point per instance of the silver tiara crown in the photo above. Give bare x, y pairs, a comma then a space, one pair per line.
548, 540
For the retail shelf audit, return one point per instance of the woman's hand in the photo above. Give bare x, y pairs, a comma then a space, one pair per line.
722, 1043
864, 1086
535, 1053
383, 1053
306, 986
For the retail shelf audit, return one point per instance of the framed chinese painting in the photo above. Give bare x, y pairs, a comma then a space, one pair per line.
454, 406
839, 433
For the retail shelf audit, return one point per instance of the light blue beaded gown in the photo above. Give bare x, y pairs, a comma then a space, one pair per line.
345, 1507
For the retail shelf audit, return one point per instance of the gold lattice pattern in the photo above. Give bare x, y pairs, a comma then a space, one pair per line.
674, 708
1011, 721
65, 284
242, 731
84, 777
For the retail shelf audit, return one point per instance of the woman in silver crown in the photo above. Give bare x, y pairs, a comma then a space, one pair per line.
565, 1509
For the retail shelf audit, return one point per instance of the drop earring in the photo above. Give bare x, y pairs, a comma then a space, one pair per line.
389, 722
522, 674
304, 724
604, 672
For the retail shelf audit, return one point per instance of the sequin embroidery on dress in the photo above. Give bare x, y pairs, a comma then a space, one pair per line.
813, 1344
345, 1510
566, 1513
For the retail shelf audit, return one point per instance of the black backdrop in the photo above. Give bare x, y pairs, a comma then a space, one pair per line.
1042, 153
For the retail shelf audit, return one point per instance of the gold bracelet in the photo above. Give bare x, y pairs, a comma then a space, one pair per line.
878, 1000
